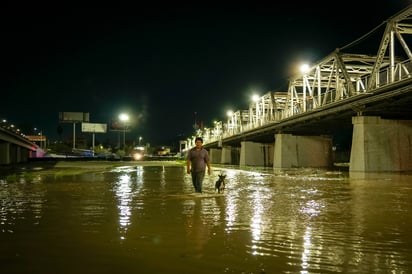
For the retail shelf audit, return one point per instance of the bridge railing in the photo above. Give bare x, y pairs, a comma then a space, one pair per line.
399, 72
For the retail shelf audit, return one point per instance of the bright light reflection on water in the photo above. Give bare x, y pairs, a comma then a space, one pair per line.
147, 218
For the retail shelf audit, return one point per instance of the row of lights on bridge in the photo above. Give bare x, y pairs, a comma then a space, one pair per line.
303, 69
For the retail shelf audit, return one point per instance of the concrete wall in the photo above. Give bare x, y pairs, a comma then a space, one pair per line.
230, 155
381, 145
4, 153
256, 154
215, 155
12, 154
302, 151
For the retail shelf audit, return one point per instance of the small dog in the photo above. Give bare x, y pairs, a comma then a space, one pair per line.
220, 184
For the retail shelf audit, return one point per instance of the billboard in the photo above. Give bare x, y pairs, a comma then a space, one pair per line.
116, 125
93, 127
71, 117
36, 138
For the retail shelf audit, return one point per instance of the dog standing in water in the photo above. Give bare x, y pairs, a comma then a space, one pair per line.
220, 183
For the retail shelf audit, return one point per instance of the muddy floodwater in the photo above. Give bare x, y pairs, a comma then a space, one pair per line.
141, 218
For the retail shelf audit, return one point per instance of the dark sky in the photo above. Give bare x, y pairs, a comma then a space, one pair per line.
163, 64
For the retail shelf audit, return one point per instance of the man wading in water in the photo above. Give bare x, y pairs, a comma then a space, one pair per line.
197, 160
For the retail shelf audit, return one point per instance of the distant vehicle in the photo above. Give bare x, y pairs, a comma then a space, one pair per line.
82, 152
164, 151
138, 153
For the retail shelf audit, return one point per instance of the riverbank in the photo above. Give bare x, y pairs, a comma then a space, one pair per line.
76, 167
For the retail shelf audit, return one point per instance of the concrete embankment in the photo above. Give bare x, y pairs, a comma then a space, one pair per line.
77, 166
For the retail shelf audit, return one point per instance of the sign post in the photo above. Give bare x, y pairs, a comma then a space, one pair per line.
94, 128
73, 117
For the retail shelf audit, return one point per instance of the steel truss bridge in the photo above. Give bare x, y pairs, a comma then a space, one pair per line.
324, 98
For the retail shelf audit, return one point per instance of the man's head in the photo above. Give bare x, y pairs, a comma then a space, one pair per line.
198, 141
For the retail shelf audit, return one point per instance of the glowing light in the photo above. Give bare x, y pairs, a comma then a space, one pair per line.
124, 117
304, 68
137, 156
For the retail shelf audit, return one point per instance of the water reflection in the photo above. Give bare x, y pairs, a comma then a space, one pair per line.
126, 188
21, 200
133, 217
123, 193
198, 225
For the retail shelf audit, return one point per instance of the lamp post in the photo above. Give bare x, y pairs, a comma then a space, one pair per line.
230, 121
255, 99
218, 132
124, 118
40, 136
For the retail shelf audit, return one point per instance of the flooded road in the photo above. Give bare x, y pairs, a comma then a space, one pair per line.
146, 219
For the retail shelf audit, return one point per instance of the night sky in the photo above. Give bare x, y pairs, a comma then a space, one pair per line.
162, 65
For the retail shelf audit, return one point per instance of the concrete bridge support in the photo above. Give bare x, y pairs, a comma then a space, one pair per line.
15, 156
256, 154
12, 154
215, 155
230, 155
302, 151
380, 145
5, 153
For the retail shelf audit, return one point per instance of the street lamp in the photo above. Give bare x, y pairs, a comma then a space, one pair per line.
304, 69
140, 140
124, 118
40, 136
255, 98
230, 125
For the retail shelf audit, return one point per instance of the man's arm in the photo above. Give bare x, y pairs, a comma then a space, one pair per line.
208, 167
188, 166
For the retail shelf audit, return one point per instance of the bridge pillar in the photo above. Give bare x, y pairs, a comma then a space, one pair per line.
4, 153
230, 155
14, 155
256, 154
381, 145
302, 151
215, 155
22, 155
19, 155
